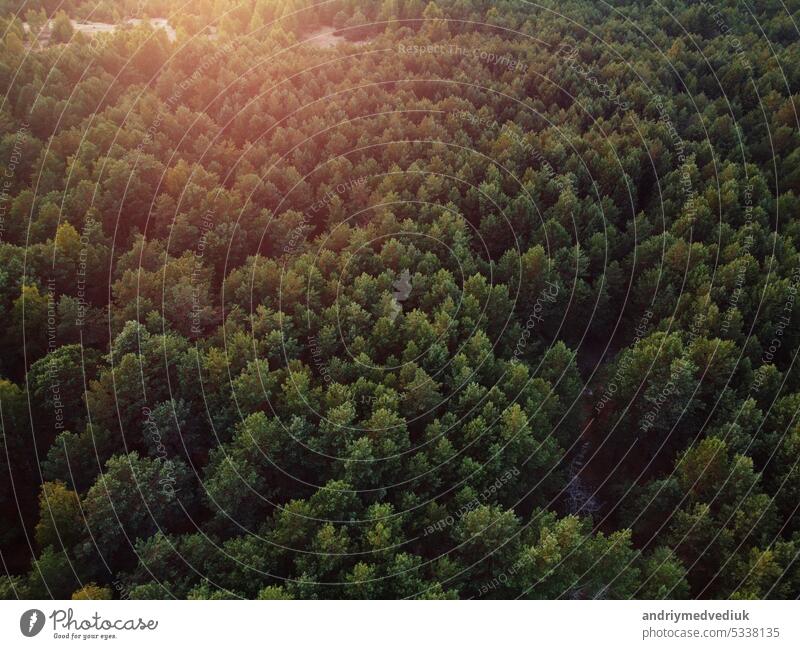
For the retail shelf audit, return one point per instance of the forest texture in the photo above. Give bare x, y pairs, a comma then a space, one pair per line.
399, 299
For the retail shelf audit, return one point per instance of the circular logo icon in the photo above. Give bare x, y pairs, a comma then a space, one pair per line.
31, 622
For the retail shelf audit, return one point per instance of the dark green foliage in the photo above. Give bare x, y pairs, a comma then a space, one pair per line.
510, 311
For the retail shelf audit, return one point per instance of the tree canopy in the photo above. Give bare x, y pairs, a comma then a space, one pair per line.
400, 299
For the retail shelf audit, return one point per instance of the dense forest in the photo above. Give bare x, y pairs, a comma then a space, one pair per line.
400, 299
